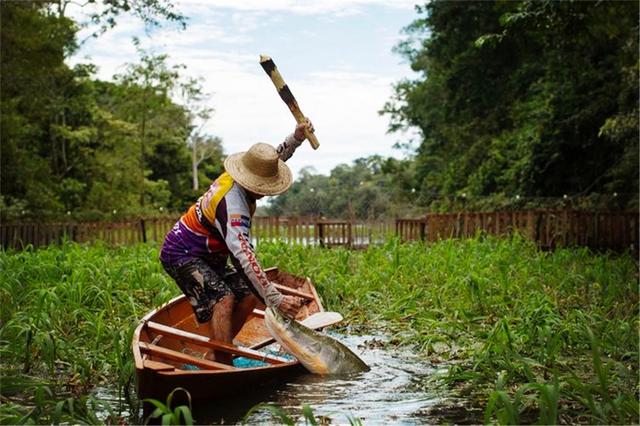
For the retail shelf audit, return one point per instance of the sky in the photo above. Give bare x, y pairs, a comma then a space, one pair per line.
335, 55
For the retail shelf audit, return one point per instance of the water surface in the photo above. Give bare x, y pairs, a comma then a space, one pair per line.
389, 393
393, 392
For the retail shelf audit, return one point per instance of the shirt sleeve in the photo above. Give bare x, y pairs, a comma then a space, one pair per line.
235, 229
288, 147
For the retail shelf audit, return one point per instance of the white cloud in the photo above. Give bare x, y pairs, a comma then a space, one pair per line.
340, 97
344, 108
305, 7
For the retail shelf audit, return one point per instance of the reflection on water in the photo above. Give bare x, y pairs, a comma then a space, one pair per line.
386, 394
121, 411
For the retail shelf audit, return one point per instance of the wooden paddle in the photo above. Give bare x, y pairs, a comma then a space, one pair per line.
321, 320
314, 321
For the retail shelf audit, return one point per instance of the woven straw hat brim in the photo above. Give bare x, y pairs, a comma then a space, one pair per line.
257, 184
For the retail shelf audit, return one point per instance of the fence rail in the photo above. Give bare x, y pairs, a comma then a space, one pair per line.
326, 233
20, 235
549, 228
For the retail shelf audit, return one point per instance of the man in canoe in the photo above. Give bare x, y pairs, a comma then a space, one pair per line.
216, 228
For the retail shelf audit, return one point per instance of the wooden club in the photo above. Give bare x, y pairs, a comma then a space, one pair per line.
286, 95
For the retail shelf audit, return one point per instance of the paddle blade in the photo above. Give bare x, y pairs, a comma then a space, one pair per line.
321, 320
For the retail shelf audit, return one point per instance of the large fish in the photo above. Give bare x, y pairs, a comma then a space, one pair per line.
318, 352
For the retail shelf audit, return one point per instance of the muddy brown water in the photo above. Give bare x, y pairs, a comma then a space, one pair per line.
393, 392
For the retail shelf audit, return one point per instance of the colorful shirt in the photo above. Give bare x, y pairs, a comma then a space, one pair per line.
219, 224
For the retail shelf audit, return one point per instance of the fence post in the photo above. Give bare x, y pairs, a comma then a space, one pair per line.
320, 227
143, 231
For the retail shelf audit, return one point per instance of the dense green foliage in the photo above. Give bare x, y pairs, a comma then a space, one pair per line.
370, 188
72, 143
536, 98
68, 315
517, 103
519, 323
551, 336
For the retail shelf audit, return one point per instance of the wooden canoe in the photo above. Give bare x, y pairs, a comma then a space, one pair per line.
169, 346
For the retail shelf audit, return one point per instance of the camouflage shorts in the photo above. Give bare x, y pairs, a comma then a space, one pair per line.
206, 283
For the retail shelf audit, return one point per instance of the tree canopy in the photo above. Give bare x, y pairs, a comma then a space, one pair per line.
536, 98
513, 100
72, 143
371, 188
519, 104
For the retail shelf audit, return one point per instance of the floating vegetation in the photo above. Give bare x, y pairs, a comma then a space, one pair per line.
529, 336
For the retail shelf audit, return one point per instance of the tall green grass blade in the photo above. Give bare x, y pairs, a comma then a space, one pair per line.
276, 411
185, 412
490, 304
307, 412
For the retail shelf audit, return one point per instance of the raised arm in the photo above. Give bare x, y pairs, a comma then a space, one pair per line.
293, 141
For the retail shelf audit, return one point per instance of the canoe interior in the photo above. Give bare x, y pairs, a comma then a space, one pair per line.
178, 354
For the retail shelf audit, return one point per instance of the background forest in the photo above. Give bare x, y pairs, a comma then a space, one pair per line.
517, 103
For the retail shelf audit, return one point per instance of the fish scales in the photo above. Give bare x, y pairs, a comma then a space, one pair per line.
319, 353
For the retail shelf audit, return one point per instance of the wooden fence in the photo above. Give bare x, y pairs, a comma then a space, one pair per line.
558, 228
20, 235
326, 233
549, 228
294, 230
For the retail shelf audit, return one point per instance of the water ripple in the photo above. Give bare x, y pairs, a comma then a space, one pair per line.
387, 394
380, 396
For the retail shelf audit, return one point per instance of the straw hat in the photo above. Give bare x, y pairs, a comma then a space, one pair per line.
259, 170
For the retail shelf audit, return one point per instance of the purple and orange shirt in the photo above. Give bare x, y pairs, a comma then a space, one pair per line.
219, 225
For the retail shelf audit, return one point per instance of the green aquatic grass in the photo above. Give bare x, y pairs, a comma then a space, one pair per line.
285, 417
531, 336
168, 415
67, 316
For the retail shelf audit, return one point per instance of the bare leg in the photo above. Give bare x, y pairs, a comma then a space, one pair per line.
242, 311
221, 326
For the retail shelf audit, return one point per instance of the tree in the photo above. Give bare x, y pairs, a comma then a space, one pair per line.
69, 143
529, 97
40, 125
104, 13
203, 147
369, 188
148, 85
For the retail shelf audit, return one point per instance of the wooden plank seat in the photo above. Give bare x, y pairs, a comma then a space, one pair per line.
158, 366
206, 342
170, 354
